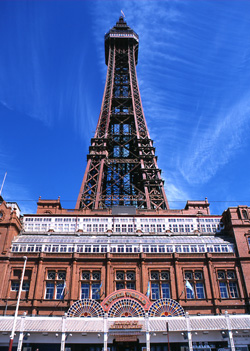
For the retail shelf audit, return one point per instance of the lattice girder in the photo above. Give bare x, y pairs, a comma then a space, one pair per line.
122, 166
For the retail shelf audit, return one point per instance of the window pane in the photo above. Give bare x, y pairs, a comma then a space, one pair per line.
61, 275
59, 291
26, 286
49, 294
198, 275
200, 291
130, 275
233, 290
155, 291
154, 275
84, 291
165, 291
85, 275
190, 291
120, 275
51, 275
230, 275
96, 275
223, 290
164, 275
96, 291
188, 275
221, 275
14, 286
131, 285
120, 286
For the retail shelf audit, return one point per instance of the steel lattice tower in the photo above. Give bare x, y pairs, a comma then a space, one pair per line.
122, 168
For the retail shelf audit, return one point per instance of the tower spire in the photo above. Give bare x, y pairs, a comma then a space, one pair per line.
122, 168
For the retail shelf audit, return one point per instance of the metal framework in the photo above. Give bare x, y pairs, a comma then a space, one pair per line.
122, 168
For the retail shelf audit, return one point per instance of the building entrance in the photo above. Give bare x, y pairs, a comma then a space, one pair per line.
126, 346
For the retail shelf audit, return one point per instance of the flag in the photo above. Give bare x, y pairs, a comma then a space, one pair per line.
148, 290
189, 286
63, 290
98, 289
123, 14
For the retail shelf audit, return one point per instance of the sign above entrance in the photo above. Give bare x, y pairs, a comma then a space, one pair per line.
126, 325
126, 293
126, 338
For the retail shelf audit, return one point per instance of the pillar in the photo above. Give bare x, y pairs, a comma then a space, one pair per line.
63, 339
147, 333
230, 333
189, 334
20, 340
105, 332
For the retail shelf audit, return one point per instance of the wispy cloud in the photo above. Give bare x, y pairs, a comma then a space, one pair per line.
217, 144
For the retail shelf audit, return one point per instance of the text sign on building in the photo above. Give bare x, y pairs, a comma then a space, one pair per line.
126, 293
126, 325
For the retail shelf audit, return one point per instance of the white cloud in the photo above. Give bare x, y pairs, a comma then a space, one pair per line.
216, 145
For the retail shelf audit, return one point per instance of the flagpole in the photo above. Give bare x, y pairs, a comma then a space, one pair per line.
3, 183
12, 335
168, 336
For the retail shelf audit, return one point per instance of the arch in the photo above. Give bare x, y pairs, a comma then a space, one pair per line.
86, 308
166, 308
142, 299
126, 308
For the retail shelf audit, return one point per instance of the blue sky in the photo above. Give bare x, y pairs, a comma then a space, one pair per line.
193, 72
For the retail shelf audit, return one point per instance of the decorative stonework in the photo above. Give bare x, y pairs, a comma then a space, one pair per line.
166, 308
86, 308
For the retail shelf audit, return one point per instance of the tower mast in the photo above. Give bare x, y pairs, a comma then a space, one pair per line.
121, 164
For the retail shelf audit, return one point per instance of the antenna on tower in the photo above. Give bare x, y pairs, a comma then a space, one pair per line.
3, 183
123, 15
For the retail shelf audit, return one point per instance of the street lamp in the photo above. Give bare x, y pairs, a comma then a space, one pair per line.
12, 335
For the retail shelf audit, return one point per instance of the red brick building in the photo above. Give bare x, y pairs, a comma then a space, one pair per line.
145, 276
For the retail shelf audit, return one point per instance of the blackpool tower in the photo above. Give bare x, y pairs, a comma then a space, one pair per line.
121, 165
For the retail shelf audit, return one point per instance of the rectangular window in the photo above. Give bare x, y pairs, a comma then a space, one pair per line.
125, 280
96, 291
190, 291
200, 291
26, 286
161, 248
223, 290
233, 290
228, 284
130, 228
84, 291
79, 248
14, 286
95, 248
59, 291
155, 291
131, 285
49, 293
165, 291
194, 283
120, 286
